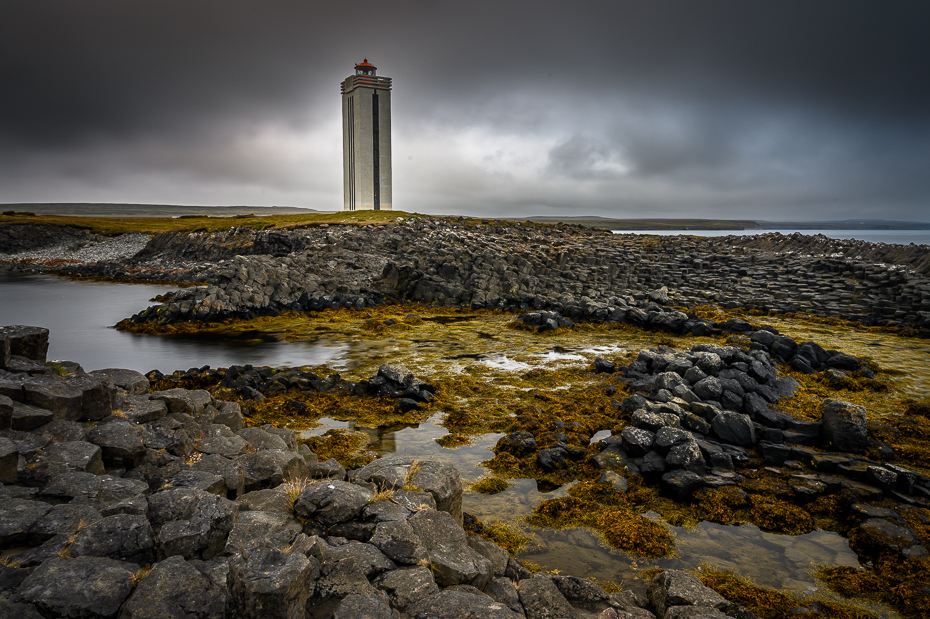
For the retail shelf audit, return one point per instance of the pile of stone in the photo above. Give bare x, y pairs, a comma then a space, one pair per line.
143, 505
257, 383
545, 321
701, 409
396, 381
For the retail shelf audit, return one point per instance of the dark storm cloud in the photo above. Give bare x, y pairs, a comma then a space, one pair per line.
734, 109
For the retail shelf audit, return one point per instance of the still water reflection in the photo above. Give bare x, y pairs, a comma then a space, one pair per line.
80, 316
780, 561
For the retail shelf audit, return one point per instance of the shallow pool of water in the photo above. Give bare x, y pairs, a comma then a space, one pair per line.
81, 315
780, 561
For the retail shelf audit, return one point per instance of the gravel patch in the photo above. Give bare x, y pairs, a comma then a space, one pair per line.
108, 249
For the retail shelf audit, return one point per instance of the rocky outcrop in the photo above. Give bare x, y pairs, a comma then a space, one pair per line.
17, 237
110, 523
697, 412
576, 271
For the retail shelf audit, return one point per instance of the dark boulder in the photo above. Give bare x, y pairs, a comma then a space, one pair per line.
191, 402
681, 484
450, 557
268, 468
203, 480
762, 373
710, 363
256, 438
581, 591
541, 599
24, 341
229, 470
59, 458
407, 586
637, 442
438, 478
15, 610
53, 394
783, 347
338, 580
687, 456
763, 338
265, 582
17, 517
121, 442
130, 381
355, 606
9, 461
332, 502
677, 588
92, 587
844, 426
123, 537
191, 523
167, 434
62, 519
328, 469
519, 443
842, 361
278, 528
552, 458
175, 589
98, 395
140, 409
452, 604
811, 354
734, 428
399, 542
708, 388
666, 438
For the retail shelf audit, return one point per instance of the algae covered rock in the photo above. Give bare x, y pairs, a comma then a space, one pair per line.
844, 426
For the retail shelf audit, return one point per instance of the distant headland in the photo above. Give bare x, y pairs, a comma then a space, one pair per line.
93, 209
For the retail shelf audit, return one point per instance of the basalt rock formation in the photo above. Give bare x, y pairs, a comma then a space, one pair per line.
135, 504
579, 272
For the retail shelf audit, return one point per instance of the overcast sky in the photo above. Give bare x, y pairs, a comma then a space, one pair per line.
773, 110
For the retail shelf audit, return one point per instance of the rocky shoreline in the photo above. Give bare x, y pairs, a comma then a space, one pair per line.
702, 426
579, 272
124, 502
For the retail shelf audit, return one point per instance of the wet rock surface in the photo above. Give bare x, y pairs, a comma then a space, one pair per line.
141, 533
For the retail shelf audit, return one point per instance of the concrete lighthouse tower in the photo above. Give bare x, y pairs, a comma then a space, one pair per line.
366, 139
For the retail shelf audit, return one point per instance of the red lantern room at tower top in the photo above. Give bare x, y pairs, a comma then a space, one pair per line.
365, 68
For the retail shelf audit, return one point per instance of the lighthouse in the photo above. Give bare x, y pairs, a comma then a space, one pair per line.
366, 139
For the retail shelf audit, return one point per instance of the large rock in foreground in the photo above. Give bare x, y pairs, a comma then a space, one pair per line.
844, 426
81, 587
678, 588
438, 478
